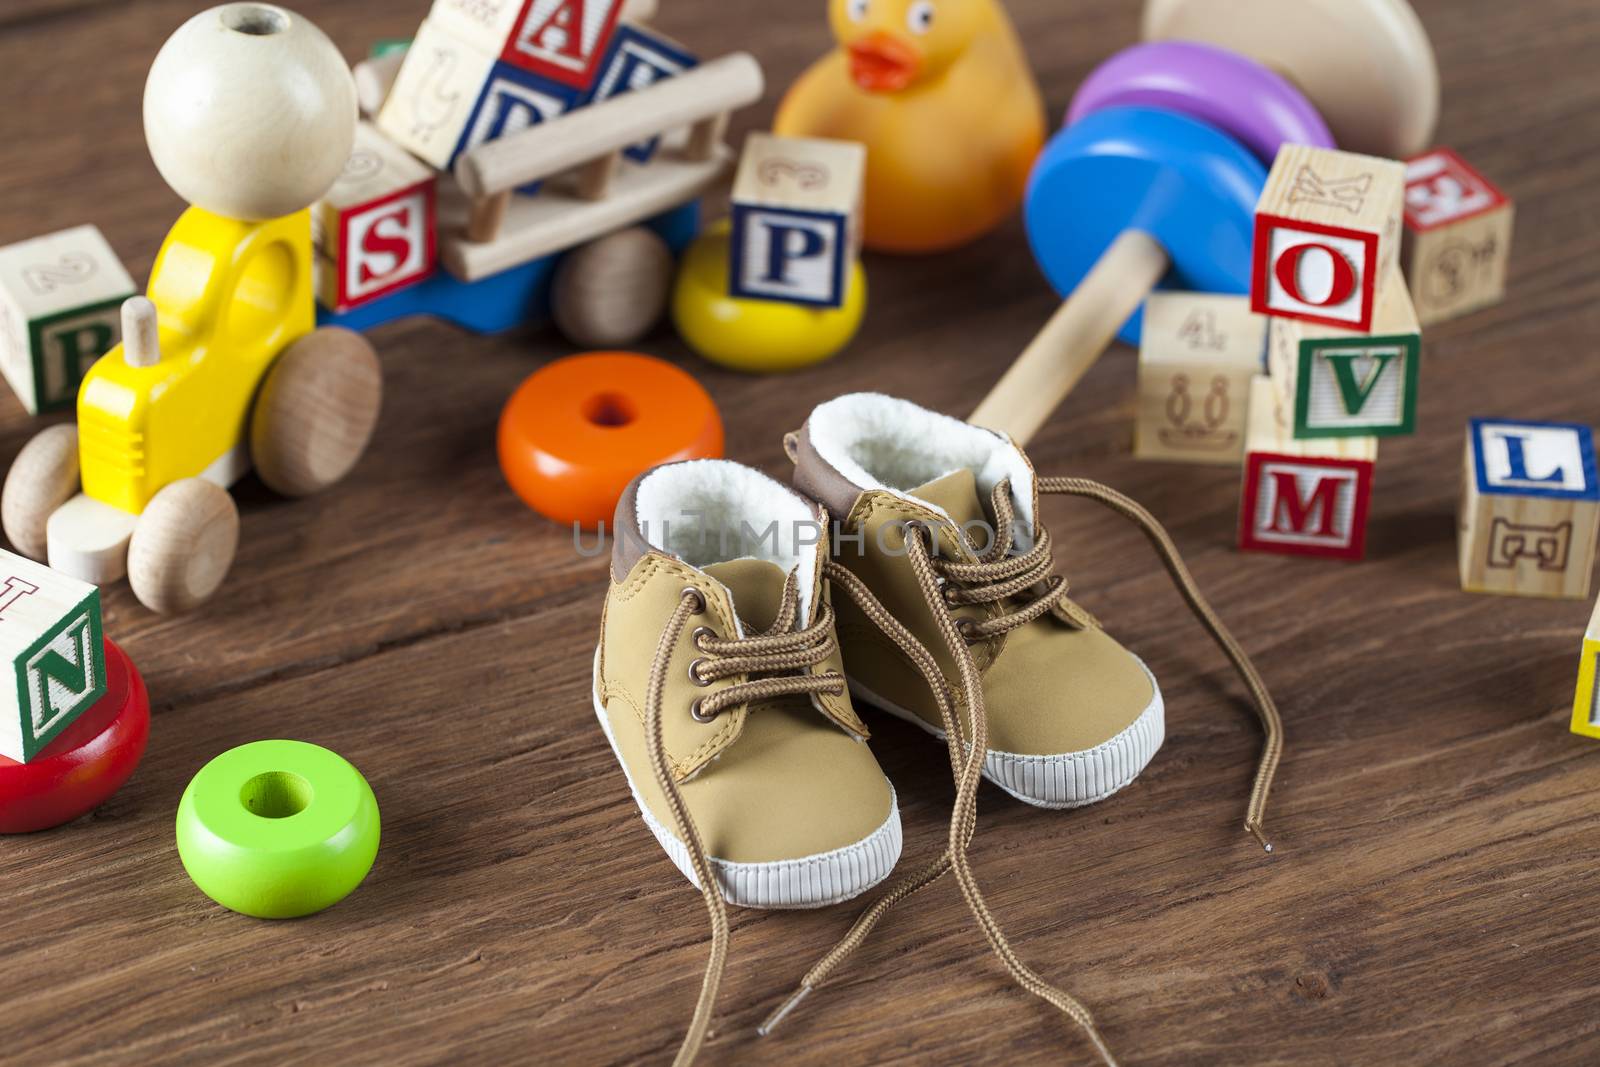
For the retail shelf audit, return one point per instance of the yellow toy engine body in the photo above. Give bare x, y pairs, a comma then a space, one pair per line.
230, 296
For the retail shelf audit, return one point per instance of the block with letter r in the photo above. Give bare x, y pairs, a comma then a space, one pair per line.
50, 634
1530, 512
796, 206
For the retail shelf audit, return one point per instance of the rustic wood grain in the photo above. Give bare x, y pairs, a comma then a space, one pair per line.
1433, 898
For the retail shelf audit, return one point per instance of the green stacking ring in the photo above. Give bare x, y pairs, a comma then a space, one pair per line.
278, 829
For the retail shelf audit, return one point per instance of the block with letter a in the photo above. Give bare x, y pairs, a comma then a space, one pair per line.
1530, 511
1328, 230
1302, 498
563, 40
50, 635
374, 230
796, 206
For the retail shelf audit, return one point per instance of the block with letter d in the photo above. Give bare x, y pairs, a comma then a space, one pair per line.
1302, 498
60, 310
50, 635
1530, 511
1328, 232
796, 206
637, 59
374, 230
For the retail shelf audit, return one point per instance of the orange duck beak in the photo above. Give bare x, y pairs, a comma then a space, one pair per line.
883, 63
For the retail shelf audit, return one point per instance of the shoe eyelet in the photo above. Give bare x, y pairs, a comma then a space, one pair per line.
950, 594
699, 598
698, 716
694, 674
700, 633
965, 626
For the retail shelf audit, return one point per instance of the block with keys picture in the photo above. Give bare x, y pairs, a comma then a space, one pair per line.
1328, 230
60, 300
796, 210
50, 635
1197, 356
1345, 384
1530, 511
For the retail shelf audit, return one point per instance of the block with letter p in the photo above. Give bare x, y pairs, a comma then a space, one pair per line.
60, 310
50, 634
1302, 498
374, 230
796, 202
1328, 230
1530, 510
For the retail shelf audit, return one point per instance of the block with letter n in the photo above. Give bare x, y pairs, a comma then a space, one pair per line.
796, 206
1302, 498
1530, 510
1328, 233
1345, 384
50, 634
60, 310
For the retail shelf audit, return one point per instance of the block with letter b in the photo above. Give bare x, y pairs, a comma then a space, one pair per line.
1530, 509
1328, 230
1197, 357
374, 230
60, 310
1458, 236
796, 206
1302, 498
1344, 384
50, 635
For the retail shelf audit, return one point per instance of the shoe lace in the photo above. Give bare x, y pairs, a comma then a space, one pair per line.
1000, 578
783, 648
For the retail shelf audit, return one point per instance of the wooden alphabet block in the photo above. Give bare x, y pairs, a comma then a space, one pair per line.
1458, 237
374, 230
50, 636
796, 212
563, 41
1344, 384
60, 300
1302, 498
1530, 511
638, 59
1197, 357
1585, 706
1328, 231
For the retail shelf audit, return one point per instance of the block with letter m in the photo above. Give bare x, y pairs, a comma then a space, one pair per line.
1302, 506
50, 634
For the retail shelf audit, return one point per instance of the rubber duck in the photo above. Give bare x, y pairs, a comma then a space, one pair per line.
941, 94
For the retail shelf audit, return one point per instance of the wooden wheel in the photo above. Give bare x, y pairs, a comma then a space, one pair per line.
183, 545
316, 412
611, 292
44, 476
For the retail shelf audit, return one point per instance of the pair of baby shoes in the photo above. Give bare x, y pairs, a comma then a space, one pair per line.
912, 572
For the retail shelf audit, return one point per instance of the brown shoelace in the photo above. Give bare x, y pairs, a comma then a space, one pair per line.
998, 578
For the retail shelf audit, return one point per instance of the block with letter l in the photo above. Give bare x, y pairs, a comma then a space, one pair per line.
50, 634
1302, 498
1530, 509
796, 205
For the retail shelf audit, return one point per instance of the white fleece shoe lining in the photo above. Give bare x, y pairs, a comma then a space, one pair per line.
1067, 779
882, 442
715, 511
808, 882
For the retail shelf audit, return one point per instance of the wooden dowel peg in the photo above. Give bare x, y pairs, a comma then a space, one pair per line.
1074, 338
141, 339
705, 136
488, 213
594, 177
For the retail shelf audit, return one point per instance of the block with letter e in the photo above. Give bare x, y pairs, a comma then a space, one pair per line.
1302, 498
796, 205
60, 310
1328, 231
50, 634
374, 230
1458, 236
1530, 509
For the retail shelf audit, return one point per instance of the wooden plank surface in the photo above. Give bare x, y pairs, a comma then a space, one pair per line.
1434, 894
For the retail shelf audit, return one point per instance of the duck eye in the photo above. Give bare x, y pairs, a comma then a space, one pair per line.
920, 17
858, 10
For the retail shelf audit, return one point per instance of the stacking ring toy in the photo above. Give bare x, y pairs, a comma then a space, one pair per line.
86, 763
761, 336
278, 829
576, 432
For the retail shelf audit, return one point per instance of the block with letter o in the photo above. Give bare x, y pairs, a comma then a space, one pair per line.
1318, 273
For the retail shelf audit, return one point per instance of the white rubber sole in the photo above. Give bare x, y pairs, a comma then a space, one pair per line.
1069, 779
807, 882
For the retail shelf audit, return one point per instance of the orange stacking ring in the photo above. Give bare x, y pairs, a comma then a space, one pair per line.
575, 433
